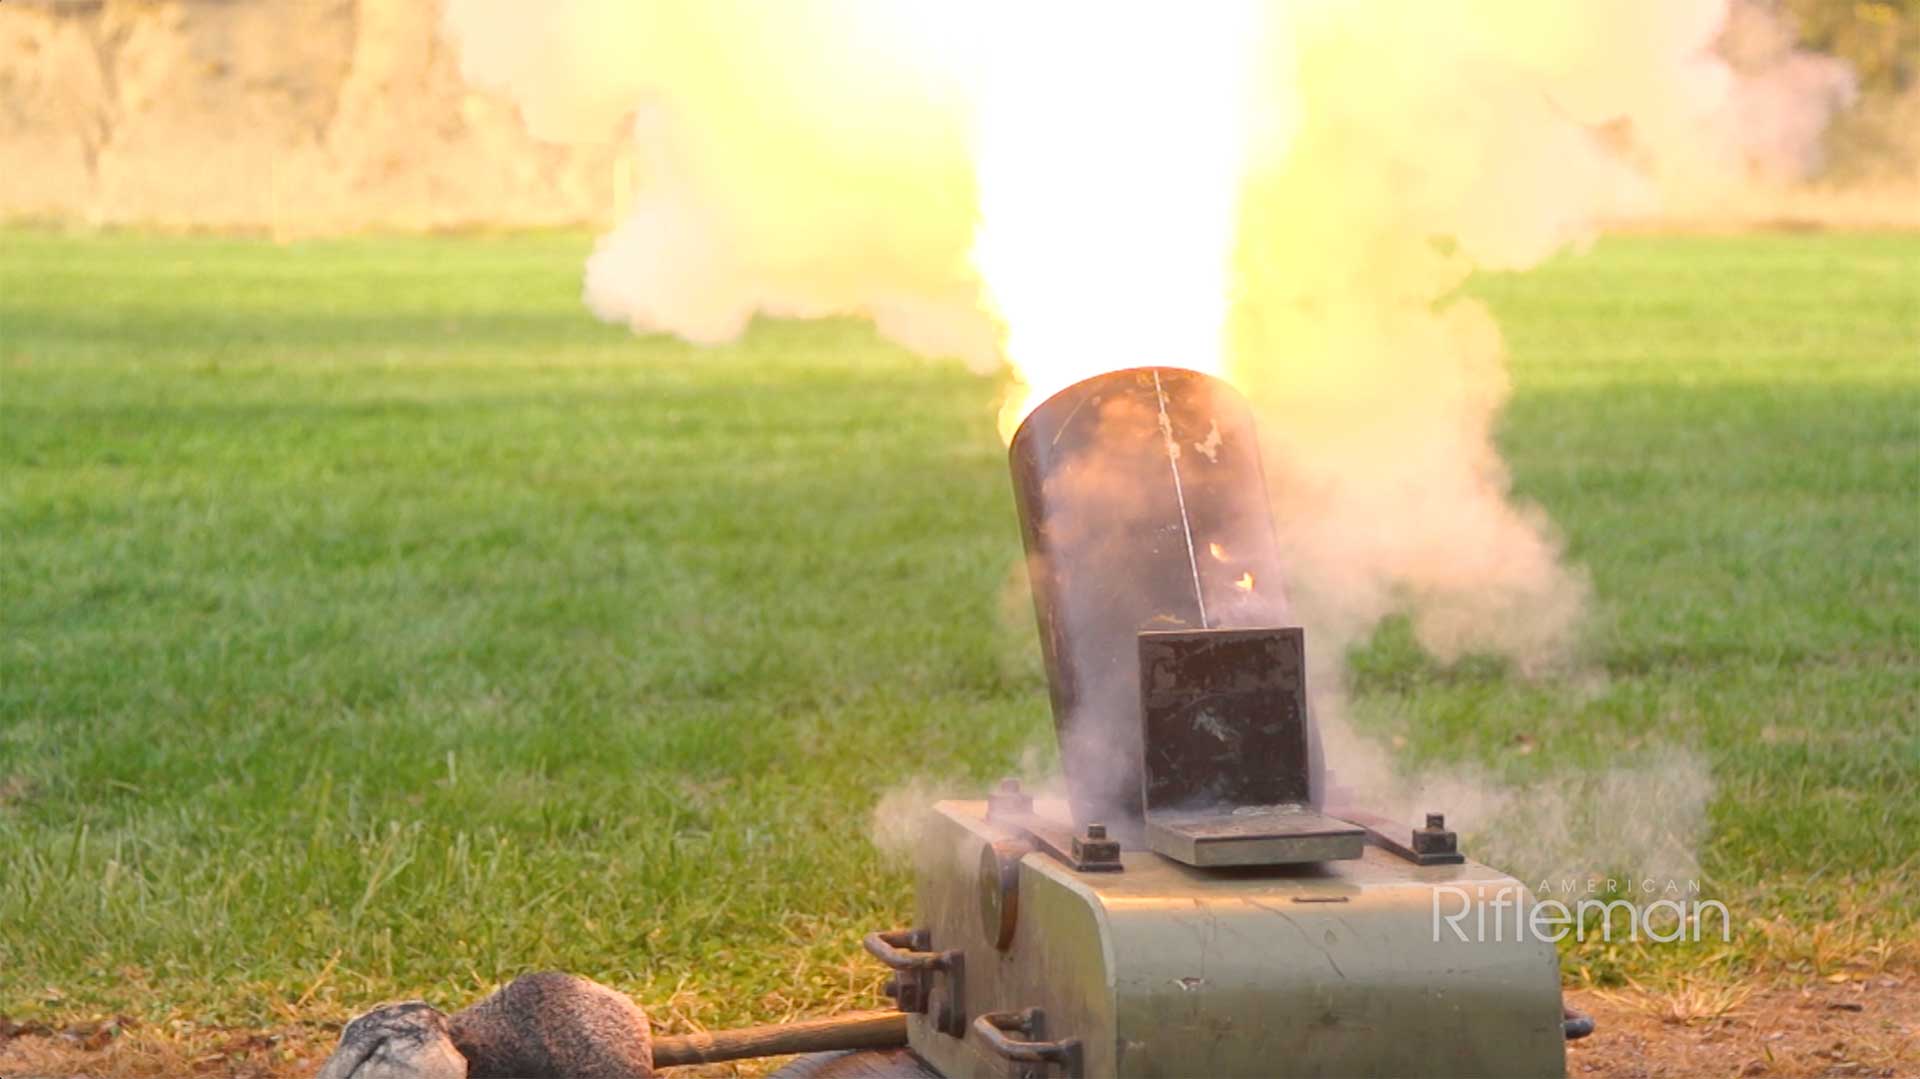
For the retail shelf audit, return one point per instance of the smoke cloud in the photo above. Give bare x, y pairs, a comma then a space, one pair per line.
811, 159
1450, 137
1643, 815
797, 159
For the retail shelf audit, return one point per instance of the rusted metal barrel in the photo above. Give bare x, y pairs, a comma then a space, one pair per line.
1143, 506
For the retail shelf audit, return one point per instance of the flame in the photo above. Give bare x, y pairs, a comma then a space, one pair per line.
1245, 583
1108, 154
1218, 552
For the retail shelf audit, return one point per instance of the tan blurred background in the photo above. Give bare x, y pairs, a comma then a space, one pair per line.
291, 115
299, 116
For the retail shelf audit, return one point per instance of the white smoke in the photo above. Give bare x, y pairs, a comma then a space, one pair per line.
813, 158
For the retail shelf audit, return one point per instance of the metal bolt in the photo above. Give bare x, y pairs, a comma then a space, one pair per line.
1096, 831
1007, 801
1435, 839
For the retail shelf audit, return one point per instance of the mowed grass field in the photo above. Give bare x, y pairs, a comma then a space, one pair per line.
376, 623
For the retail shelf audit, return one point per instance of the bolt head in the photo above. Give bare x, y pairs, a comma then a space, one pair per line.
1437, 821
1096, 831
1009, 785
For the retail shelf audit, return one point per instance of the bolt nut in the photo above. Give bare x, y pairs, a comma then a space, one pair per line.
1092, 850
1435, 838
1009, 801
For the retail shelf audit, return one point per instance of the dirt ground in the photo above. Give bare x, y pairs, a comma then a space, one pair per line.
1859, 1027
1864, 1026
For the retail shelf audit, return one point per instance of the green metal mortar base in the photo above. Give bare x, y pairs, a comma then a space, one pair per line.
1334, 969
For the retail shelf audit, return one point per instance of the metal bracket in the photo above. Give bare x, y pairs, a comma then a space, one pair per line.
1432, 845
1253, 835
1084, 853
1088, 851
1229, 769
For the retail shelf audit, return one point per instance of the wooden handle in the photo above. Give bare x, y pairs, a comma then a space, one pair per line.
854, 1030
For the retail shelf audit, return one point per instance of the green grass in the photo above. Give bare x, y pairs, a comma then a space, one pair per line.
377, 623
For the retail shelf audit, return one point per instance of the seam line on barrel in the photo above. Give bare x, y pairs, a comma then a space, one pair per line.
1180, 494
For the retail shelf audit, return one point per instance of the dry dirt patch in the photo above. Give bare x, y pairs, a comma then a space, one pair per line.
1868, 1027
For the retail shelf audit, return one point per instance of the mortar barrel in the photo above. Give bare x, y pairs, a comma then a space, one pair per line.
1143, 505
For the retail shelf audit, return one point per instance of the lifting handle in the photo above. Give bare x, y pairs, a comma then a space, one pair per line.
917, 984
906, 949
993, 1027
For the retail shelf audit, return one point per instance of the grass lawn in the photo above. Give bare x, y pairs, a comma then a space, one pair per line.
375, 623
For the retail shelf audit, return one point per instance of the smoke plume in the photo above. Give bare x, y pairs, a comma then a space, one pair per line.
1445, 138
811, 159
823, 158
797, 159
1642, 815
